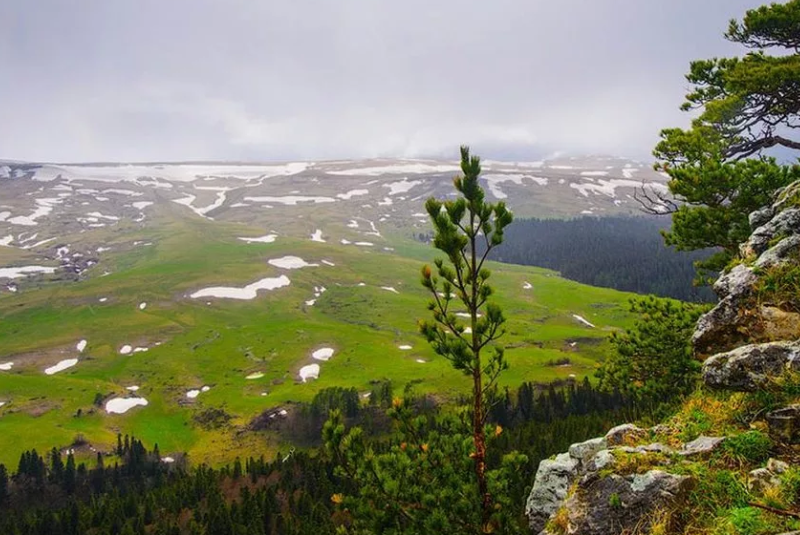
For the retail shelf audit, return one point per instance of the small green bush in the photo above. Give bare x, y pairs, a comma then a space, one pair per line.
745, 521
751, 447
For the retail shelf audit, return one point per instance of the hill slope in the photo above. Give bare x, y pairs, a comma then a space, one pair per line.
176, 309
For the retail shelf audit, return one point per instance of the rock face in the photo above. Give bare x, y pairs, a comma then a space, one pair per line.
550, 489
751, 367
620, 504
741, 316
617, 484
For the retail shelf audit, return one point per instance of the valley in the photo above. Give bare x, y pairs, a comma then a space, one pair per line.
135, 297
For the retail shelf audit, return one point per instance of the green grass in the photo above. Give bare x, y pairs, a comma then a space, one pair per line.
218, 344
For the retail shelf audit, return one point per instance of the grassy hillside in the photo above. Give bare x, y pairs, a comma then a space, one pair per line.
219, 342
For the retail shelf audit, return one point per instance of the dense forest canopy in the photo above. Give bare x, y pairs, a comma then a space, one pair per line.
625, 253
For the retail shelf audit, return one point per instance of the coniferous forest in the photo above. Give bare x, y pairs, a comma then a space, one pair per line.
625, 253
132, 491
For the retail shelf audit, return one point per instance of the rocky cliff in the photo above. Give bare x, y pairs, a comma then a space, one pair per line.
726, 463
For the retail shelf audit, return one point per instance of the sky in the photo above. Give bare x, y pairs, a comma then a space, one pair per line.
167, 80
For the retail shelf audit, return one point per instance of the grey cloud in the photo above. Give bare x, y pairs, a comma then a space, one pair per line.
268, 79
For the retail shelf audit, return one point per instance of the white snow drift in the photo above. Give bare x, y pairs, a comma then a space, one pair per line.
123, 405
248, 292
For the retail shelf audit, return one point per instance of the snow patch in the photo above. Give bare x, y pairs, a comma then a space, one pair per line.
317, 236
291, 200
61, 366
125, 350
17, 272
248, 292
323, 354
81, 346
6, 366
352, 193
309, 372
123, 405
583, 320
269, 238
290, 262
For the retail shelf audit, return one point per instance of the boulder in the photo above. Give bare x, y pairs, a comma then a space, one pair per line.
784, 424
761, 217
550, 487
785, 223
622, 504
585, 451
725, 326
761, 479
625, 434
702, 445
780, 253
751, 367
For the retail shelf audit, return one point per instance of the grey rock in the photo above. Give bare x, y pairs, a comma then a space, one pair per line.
655, 447
719, 328
592, 511
553, 480
701, 446
784, 424
750, 367
761, 479
784, 223
625, 433
760, 217
779, 253
737, 282
584, 451
602, 459
777, 467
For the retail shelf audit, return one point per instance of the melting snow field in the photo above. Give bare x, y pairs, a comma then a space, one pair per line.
6, 366
269, 238
291, 200
81, 346
583, 320
123, 405
17, 272
61, 366
323, 354
317, 236
402, 186
309, 372
248, 292
415, 168
352, 193
125, 350
192, 394
290, 262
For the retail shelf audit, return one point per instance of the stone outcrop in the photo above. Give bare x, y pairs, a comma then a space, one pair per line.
602, 501
750, 367
742, 316
749, 341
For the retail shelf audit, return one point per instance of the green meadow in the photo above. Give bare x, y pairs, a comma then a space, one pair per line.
217, 342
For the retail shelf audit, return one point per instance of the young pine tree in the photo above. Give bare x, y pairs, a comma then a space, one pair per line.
432, 474
466, 230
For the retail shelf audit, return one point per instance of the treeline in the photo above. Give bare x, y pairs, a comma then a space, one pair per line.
133, 491
625, 253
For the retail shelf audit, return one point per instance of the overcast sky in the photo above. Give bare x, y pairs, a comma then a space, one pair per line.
311, 79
